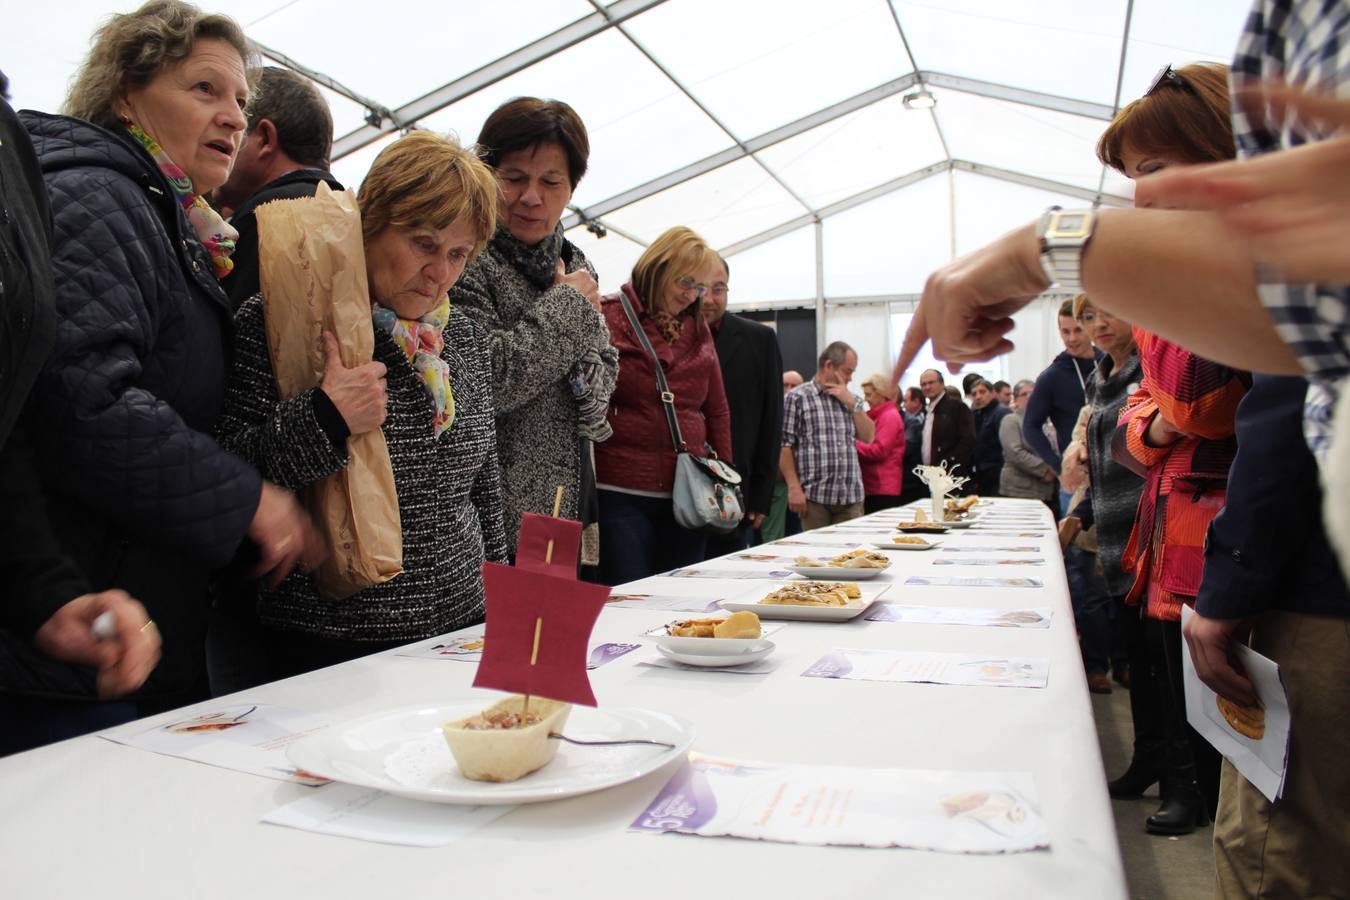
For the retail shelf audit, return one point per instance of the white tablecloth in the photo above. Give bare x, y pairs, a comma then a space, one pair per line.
90, 818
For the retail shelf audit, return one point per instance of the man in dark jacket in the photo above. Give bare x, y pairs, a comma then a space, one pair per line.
751, 373
913, 409
949, 430
284, 156
989, 413
1061, 391
44, 599
1270, 570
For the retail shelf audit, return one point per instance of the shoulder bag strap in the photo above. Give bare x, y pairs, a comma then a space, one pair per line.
667, 398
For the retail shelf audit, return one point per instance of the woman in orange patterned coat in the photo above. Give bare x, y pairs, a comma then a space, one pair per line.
1177, 433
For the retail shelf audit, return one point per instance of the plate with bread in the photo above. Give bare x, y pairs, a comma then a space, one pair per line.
912, 542
858, 564
808, 601
715, 641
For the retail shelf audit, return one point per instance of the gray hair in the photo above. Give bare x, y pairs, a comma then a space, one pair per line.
835, 353
1025, 382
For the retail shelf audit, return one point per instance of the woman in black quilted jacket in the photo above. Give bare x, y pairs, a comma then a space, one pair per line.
140, 494
427, 208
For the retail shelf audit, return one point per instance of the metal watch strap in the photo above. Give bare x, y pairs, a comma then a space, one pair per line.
1062, 260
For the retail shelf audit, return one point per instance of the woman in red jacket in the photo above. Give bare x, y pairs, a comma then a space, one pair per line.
635, 468
1177, 433
883, 458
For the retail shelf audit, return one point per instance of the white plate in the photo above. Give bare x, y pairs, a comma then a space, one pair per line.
403, 752
750, 601
961, 523
756, 650
836, 573
696, 646
928, 546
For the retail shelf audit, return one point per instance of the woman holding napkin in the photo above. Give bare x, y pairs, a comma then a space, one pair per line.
428, 208
553, 368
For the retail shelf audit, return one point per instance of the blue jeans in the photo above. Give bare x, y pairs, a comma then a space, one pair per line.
639, 537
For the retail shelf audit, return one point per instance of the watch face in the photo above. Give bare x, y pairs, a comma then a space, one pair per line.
1069, 225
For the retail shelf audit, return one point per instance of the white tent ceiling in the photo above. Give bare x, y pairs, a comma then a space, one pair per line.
776, 128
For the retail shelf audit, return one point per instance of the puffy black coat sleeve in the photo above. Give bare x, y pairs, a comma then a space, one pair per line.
123, 451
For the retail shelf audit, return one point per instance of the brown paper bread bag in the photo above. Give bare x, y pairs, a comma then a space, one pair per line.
312, 266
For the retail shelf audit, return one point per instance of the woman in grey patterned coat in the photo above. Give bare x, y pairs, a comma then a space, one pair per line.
553, 368
428, 389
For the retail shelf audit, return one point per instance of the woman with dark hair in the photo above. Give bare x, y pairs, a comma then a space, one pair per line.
1177, 433
139, 492
428, 207
635, 468
553, 368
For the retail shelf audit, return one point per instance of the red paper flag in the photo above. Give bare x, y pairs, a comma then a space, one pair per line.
548, 545
538, 629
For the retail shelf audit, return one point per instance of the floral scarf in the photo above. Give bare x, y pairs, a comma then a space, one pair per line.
422, 341
213, 231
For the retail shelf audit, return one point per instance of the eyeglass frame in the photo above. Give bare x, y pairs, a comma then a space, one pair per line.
1171, 76
687, 284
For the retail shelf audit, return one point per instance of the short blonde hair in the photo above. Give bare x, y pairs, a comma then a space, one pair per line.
1080, 303
881, 384
427, 180
130, 49
678, 253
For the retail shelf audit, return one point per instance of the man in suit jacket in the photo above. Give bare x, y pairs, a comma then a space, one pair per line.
752, 368
949, 430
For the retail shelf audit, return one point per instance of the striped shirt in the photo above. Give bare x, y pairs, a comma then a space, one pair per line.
820, 432
1303, 42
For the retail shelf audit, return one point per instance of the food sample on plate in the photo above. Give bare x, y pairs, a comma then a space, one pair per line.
504, 742
963, 504
814, 593
742, 625
906, 539
852, 559
921, 524
1249, 721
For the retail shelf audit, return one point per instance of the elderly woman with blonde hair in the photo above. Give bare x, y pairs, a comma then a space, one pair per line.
428, 208
139, 493
882, 459
635, 468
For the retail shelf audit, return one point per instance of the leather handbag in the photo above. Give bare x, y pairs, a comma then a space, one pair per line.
707, 494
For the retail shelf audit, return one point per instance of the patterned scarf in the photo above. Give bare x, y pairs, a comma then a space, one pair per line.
213, 231
422, 341
539, 263
669, 325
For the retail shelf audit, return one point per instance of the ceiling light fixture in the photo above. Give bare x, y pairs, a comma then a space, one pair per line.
920, 99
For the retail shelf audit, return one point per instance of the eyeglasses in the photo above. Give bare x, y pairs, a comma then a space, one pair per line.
1087, 318
1168, 75
688, 284
718, 290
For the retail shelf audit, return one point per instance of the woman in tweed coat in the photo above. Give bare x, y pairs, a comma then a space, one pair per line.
553, 368
428, 389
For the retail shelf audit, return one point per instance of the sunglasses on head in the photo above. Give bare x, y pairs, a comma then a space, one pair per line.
1168, 75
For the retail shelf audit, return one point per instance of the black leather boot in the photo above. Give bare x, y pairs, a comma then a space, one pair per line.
1183, 807
1145, 770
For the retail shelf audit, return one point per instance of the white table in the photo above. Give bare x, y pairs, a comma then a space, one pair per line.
90, 818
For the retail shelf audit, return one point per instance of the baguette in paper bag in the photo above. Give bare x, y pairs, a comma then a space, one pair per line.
312, 265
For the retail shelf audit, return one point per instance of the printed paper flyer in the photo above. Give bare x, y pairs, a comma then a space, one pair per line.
932, 668
951, 812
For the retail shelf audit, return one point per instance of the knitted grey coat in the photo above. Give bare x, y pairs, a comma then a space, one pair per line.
534, 337
1115, 489
448, 485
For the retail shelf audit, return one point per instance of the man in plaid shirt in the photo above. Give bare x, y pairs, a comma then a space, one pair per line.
819, 459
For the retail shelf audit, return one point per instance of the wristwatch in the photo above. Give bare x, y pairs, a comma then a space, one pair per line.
859, 406
1064, 234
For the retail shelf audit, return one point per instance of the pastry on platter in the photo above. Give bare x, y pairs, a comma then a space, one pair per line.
814, 593
503, 742
861, 559
906, 539
743, 624
963, 504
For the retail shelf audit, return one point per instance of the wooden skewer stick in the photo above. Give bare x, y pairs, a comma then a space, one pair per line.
534, 658
548, 553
